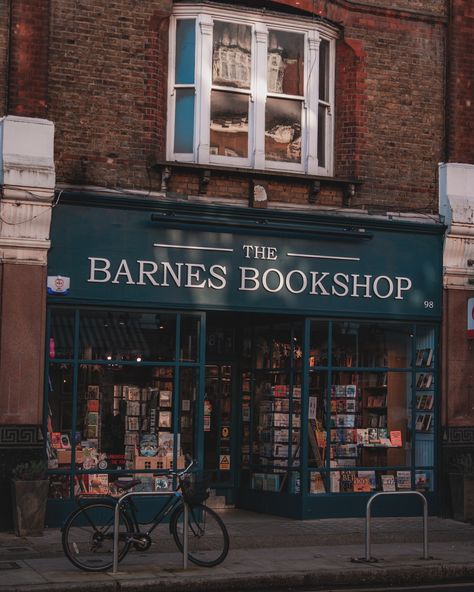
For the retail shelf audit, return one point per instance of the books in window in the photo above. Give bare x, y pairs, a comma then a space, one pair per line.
424, 381
423, 422
370, 476
388, 483
316, 485
341, 390
424, 357
403, 480
376, 401
424, 402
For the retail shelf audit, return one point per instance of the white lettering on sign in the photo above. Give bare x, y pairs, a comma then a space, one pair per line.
257, 252
250, 279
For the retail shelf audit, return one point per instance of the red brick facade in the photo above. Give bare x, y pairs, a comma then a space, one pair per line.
28, 53
461, 83
106, 75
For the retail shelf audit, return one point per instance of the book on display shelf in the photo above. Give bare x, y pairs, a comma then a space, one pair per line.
388, 483
403, 480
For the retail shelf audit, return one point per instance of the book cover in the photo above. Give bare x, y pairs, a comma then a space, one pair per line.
164, 419
419, 380
351, 391
388, 483
373, 436
427, 381
362, 436
99, 484
165, 398
361, 484
346, 483
419, 421
317, 484
426, 424
403, 480
419, 357
396, 438
335, 481
370, 476
421, 481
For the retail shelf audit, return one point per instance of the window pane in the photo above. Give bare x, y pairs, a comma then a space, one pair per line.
188, 390
324, 70
285, 63
229, 124
124, 419
231, 56
127, 336
283, 130
61, 341
318, 348
372, 345
185, 51
184, 121
322, 113
189, 338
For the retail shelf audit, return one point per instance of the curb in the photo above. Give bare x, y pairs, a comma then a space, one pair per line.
389, 576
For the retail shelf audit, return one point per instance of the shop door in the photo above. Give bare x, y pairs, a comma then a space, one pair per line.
218, 424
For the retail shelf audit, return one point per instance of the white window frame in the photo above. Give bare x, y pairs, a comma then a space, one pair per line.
261, 22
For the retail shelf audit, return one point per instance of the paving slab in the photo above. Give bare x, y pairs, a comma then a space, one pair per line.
266, 551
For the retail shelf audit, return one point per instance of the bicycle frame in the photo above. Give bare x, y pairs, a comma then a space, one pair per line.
174, 501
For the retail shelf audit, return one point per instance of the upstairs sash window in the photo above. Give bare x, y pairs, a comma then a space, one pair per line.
251, 90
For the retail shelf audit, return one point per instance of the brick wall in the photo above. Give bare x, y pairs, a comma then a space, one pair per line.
461, 83
28, 58
4, 36
107, 97
108, 63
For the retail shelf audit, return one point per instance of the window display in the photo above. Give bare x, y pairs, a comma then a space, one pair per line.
361, 430
118, 414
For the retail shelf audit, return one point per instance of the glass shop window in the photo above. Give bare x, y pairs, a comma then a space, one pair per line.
121, 413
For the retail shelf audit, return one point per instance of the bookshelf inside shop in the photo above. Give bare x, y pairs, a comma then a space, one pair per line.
121, 424
277, 427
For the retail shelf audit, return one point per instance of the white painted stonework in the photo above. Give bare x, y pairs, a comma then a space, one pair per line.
27, 182
456, 203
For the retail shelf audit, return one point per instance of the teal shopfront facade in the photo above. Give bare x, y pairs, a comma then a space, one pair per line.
294, 355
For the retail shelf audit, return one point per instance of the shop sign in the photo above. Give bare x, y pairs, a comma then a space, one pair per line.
58, 284
224, 462
125, 259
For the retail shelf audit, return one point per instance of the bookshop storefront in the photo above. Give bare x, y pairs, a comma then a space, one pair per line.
295, 356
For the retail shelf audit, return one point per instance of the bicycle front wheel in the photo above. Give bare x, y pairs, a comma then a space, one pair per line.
88, 536
208, 540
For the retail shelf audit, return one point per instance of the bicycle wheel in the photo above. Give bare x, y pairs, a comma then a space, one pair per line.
208, 540
88, 536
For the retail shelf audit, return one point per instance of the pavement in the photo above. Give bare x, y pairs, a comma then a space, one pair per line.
266, 552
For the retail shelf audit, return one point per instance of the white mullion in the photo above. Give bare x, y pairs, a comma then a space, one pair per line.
331, 111
171, 94
312, 103
259, 95
203, 87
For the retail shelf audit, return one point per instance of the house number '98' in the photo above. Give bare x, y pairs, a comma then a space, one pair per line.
429, 304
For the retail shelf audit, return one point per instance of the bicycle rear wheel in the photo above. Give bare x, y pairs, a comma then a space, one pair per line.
88, 536
208, 540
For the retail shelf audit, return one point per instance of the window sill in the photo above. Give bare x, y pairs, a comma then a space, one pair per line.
205, 171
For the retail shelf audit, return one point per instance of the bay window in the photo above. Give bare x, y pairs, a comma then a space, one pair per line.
251, 89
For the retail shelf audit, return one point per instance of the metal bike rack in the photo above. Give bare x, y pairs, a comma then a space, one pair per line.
117, 524
368, 521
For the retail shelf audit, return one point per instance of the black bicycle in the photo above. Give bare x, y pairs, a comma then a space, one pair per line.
88, 533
